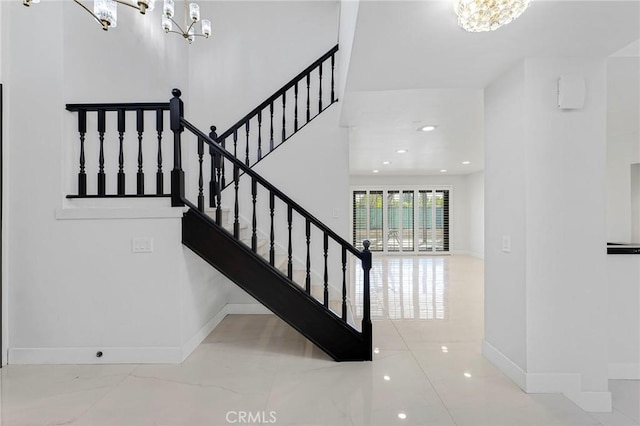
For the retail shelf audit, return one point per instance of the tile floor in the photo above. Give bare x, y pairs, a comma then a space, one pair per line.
254, 369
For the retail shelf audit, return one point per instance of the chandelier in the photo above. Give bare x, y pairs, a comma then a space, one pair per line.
105, 12
189, 30
488, 15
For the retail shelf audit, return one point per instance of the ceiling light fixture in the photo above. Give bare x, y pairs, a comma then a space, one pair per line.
401, 151
193, 12
427, 128
106, 11
466, 162
386, 163
488, 15
443, 171
376, 171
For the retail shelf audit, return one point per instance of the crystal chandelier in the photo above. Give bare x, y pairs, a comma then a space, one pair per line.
488, 15
189, 30
106, 11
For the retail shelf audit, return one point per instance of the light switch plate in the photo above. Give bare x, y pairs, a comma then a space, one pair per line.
506, 243
142, 245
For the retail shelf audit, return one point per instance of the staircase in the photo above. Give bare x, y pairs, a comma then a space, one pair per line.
241, 224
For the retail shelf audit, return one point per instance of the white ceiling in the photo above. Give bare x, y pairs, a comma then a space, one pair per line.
411, 64
384, 121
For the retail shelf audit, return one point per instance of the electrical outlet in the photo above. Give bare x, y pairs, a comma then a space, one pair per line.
506, 243
142, 245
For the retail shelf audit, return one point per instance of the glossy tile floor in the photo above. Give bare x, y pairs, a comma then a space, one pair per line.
254, 369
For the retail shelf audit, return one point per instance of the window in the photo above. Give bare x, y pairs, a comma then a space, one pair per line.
402, 220
433, 220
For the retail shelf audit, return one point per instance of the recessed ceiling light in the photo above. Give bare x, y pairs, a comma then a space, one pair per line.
466, 162
402, 416
376, 350
443, 171
386, 163
401, 151
467, 375
375, 171
445, 349
427, 128
387, 378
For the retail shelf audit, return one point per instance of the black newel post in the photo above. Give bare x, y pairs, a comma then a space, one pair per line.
366, 318
176, 112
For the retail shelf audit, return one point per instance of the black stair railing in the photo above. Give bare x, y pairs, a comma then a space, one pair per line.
103, 140
282, 114
268, 213
102, 133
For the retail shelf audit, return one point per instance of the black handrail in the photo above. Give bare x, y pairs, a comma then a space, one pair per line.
146, 106
251, 173
279, 93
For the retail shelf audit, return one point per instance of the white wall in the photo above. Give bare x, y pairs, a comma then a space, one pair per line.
623, 215
2, 27
257, 47
313, 169
623, 286
65, 301
543, 166
459, 203
4, 318
475, 191
623, 144
505, 279
635, 202
346, 34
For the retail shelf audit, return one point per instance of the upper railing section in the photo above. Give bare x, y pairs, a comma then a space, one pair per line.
111, 160
285, 112
103, 137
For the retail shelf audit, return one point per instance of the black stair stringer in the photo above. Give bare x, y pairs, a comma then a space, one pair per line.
270, 287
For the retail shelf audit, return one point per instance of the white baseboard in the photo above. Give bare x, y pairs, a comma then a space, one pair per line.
468, 253
624, 371
504, 364
201, 334
477, 255
120, 355
460, 252
110, 355
569, 384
